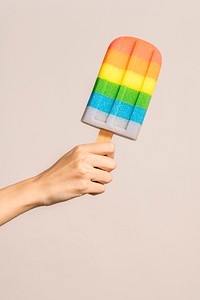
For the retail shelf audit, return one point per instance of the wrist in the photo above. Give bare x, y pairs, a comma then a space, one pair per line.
37, 192
42, 185
19, 198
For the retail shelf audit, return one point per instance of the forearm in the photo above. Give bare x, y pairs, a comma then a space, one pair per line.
19, 198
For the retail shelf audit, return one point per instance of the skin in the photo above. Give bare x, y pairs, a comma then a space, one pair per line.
86, 169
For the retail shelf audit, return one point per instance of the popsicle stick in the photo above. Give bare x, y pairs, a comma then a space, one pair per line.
104, 136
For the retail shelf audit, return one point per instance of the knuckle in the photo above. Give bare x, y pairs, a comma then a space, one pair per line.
82, 187
78, 148
79, 151
81, 170
81, 162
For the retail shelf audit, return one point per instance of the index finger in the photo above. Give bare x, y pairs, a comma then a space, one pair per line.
107, 149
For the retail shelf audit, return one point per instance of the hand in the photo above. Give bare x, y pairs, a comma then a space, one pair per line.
84, 170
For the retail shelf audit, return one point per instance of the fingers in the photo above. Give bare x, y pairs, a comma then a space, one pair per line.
100, 176
102, 162
95, 181
93, 163
96, 188
107, 149
83, 170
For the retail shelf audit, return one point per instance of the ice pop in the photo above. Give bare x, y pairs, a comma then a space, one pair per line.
123, 88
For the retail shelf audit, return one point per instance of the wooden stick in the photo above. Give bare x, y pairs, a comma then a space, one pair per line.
104, 136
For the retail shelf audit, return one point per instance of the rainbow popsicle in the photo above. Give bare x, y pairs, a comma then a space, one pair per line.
124, 86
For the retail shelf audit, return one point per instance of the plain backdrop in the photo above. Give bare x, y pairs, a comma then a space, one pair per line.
140, 240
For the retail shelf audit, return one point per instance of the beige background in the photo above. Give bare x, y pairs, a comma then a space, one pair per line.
141, 239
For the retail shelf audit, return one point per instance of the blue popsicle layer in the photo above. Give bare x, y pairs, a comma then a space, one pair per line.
117, 108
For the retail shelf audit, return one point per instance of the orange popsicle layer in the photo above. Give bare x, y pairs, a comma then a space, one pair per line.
135, 63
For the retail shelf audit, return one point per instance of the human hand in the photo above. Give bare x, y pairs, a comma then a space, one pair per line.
83, 170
